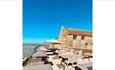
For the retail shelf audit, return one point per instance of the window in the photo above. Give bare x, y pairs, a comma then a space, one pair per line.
74, 37
82, 37
86, 44
91, 43
63, 35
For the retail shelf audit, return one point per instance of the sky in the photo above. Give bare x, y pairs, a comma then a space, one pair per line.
42, 19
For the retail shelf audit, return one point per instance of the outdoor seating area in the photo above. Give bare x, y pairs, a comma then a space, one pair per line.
64, 59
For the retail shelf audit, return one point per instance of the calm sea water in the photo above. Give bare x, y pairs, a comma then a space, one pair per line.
28, 49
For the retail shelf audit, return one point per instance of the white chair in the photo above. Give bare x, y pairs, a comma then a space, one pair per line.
86, 60
74, 64
80, 52
57, 51
56, 61
55, 67
66, 68
80, 61
90, 59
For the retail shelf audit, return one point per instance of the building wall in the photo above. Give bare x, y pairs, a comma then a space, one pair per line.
63, 38
77, 42
89, 42
71, 42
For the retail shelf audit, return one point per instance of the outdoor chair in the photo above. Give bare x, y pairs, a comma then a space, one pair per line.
86, 60
80, 61
90, 59
74, 64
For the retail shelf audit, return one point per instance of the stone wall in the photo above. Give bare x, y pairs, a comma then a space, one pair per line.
77, 42
86, 43
89, 42
70, 41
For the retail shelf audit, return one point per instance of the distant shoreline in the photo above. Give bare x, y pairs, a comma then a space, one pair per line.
31, 43
28, 49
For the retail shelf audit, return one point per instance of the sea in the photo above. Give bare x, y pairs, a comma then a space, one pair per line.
28, 49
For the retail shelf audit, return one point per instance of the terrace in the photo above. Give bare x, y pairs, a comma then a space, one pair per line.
65, 59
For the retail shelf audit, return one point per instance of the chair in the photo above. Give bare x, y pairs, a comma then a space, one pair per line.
90, 59
80, 61
74, 64
86, 60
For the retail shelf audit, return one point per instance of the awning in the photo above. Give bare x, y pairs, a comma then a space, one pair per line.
53, 41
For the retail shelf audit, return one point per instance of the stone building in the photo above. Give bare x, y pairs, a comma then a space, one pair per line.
74, 38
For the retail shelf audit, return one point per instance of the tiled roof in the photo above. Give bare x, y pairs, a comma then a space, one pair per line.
78, 32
